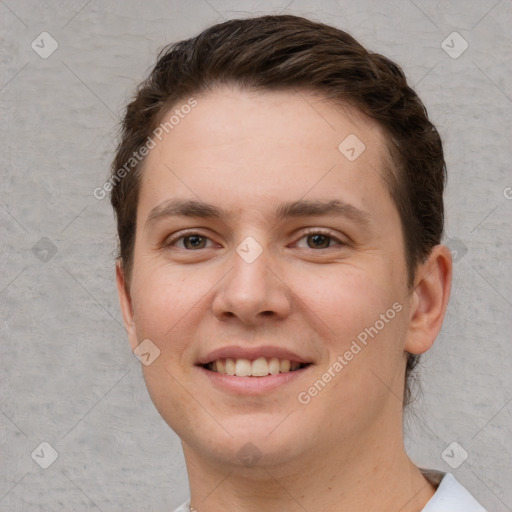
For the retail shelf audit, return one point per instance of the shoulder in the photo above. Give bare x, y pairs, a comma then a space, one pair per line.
450, 496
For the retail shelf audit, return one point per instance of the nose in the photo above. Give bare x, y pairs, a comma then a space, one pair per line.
252, 291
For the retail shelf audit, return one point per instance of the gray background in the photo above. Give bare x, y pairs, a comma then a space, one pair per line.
67, 376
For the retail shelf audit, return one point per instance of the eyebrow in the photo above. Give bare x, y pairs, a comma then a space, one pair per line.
338, 207
293, 209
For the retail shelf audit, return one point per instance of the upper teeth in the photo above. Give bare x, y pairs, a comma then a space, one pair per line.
260, 367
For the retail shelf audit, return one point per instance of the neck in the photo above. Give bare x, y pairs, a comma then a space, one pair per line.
379, 476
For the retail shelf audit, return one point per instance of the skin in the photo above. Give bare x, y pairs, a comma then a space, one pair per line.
248, 152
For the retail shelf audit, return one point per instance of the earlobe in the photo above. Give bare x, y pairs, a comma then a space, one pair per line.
429, 300
125, 302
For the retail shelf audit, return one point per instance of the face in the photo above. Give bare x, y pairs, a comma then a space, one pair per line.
265, 249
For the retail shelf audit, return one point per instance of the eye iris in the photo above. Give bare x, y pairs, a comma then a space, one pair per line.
318, 241
194, 242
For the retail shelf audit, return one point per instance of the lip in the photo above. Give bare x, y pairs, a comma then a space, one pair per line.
251, 353
251, 385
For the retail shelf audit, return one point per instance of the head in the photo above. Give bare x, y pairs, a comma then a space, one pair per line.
295, 89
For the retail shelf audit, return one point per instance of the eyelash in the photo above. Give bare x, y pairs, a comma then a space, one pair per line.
305, 234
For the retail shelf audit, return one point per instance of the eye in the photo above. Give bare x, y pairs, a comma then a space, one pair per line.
191, 241
318, 240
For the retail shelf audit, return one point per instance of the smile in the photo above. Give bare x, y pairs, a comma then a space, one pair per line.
259, 367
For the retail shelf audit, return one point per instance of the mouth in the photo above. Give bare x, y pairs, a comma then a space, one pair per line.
253, 371
258, 367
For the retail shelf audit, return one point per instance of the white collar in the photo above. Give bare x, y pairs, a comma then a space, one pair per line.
450, 496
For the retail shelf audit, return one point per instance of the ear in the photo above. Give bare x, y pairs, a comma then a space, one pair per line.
429, 300
125, 301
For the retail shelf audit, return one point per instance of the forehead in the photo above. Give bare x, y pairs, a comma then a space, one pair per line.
260, 146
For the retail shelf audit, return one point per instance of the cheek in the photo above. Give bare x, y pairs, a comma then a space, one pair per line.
164, 297
362, 316
165, 303
346, 300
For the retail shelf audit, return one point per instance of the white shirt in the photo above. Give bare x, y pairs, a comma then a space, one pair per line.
452, 497
449, 497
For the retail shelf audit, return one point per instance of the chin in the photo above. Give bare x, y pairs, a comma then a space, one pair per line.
255, 441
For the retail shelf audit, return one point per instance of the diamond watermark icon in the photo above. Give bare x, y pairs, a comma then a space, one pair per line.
249, 249
454, 455
146, 352
249, 454
457, 248
44, 249
44, 45
454, 45
45, 455
351, 147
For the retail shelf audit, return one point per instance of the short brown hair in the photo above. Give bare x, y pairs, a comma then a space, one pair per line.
284, 52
